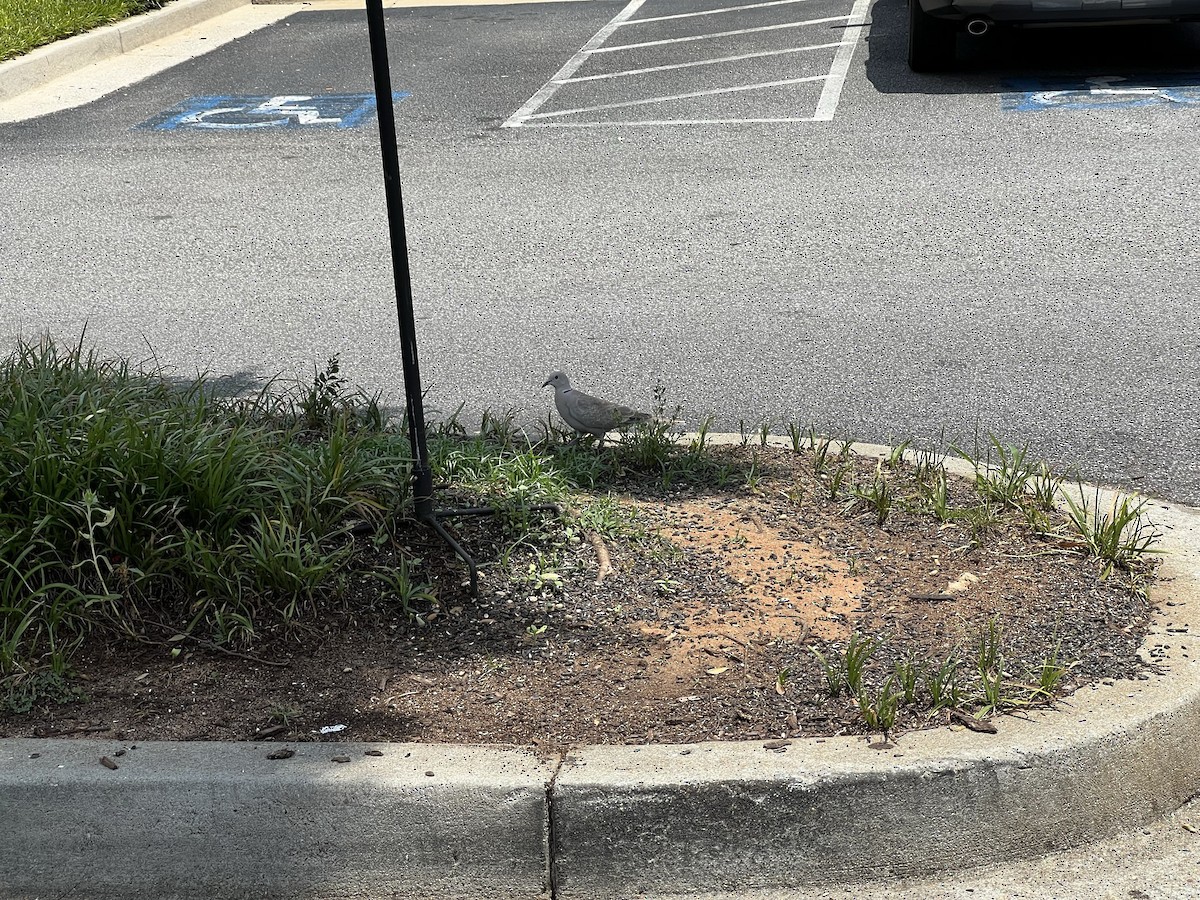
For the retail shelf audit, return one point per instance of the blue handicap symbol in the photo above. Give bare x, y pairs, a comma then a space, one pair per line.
226, 112
1101, 92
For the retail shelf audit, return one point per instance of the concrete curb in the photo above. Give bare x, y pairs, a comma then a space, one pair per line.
71, 54
219, 820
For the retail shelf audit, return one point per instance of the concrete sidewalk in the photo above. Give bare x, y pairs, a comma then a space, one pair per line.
813, 818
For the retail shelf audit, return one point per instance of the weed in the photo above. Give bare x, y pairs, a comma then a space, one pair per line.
858, 653
835, 479
284, 713
935, 492
1044, 486
989, 652
405, 588
796, 435
908, 675
1006, 482
943, 684
895, 456
879, 711
1120, 538
834, 671
1047, 676
878, 496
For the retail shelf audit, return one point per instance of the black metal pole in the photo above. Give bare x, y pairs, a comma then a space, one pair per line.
414, 402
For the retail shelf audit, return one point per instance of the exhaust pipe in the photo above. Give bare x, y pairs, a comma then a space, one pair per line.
978, 26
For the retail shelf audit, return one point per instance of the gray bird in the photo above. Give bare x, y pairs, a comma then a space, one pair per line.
587, 414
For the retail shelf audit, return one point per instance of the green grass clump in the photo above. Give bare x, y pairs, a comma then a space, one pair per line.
132, 502
26, 24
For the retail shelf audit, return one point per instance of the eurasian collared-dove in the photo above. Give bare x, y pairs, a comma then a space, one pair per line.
587, 414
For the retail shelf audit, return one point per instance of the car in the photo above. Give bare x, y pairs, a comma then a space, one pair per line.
934, 25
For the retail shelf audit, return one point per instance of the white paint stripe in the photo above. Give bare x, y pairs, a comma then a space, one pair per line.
708, 93
700, 62
623, 124
713, 12
720, 34
571, 66
828, 103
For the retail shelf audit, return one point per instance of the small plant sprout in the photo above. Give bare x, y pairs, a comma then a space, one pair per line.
833, 670
1045, 487
943, 685
535, 630
764, 433
796, 436
836, 478
934, 491
781, 680
879, 711
908, 674
989, 656
895, 457
1047, 677
878, 496
700, 442
405, 588
858, 653
821, 452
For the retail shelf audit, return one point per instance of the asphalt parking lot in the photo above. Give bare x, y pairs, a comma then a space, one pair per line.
756, 205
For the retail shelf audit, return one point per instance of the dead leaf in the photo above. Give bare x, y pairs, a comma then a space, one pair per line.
108, 763
719, 670
983, 726
282, 753
777, 744
1189, 827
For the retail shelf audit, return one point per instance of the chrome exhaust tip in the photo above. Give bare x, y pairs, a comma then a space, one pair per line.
978, 26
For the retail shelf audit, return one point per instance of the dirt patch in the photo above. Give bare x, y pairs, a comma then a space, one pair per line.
704, 629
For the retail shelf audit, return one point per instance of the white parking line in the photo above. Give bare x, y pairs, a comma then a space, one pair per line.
702, 62
720, 34
828, 103
572, 64
690, 94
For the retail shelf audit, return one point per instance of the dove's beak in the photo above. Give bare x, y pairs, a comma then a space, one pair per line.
546, 383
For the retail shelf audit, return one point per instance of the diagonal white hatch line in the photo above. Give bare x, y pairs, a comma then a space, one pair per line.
720, 34
828, 103
690, 94
702, 62
569, 68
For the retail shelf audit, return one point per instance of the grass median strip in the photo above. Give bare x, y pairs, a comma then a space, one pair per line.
27, 24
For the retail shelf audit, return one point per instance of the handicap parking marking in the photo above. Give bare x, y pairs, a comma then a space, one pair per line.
530, 113
224, 112
1101, 92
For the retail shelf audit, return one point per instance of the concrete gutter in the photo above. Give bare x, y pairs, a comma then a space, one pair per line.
219, 820
69, 55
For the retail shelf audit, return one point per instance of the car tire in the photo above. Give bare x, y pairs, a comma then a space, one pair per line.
930, 40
